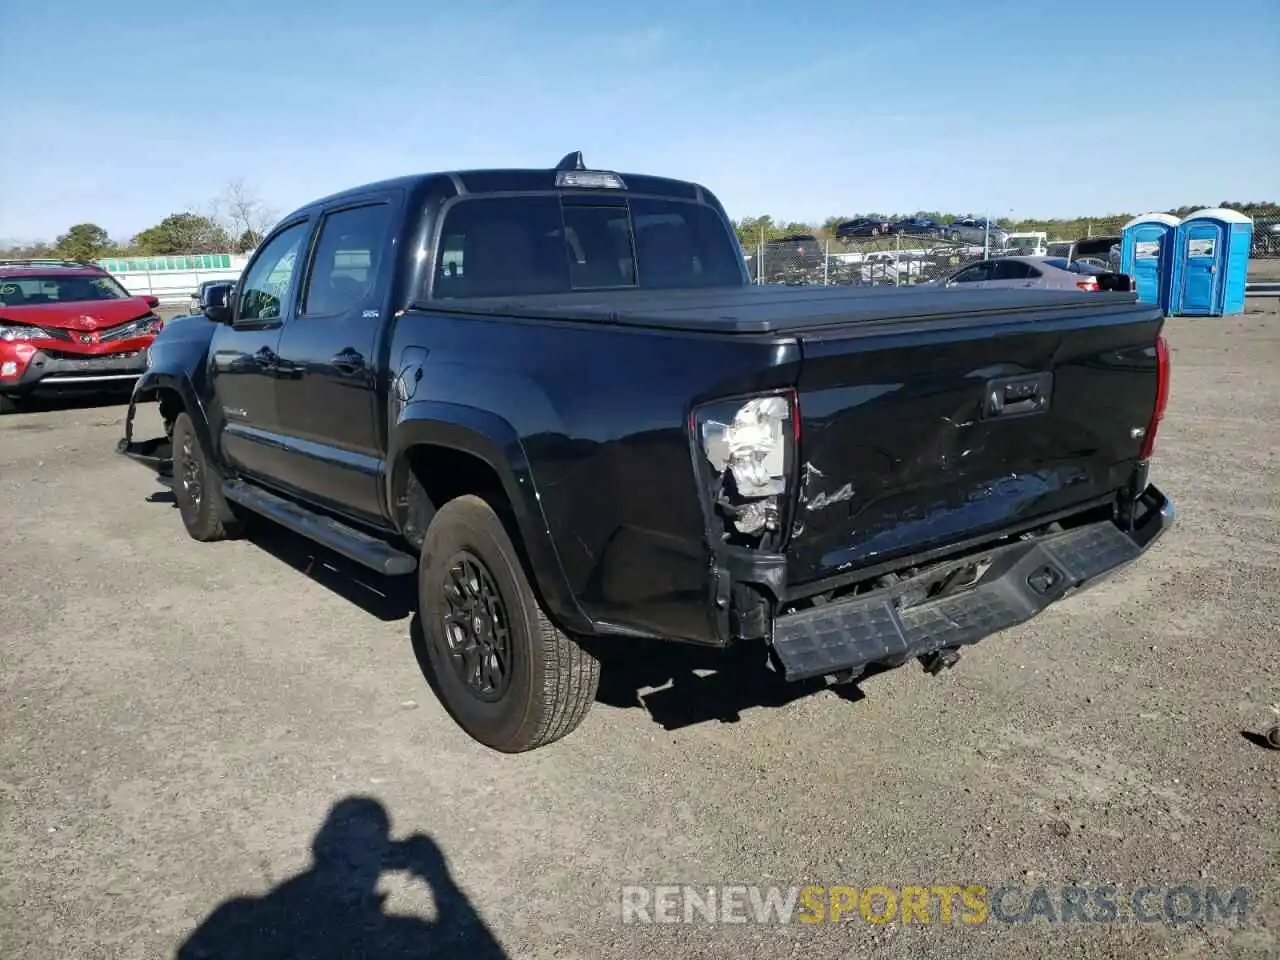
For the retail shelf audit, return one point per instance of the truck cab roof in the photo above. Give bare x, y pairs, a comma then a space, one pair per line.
528, 180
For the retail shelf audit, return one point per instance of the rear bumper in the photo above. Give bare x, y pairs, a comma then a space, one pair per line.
46, 373
890, 626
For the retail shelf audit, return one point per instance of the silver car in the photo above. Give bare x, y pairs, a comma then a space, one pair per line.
1045, 273
974, 230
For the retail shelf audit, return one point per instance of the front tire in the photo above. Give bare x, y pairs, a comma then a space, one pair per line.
197, 488
505, 673
9, 404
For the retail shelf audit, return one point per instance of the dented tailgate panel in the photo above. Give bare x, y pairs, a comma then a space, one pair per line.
909, 443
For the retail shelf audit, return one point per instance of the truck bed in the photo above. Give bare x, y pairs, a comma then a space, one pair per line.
777, 310
927, 416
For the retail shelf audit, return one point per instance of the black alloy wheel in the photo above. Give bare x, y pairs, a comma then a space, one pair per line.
507, 675
197, 489
477, 628
191, 474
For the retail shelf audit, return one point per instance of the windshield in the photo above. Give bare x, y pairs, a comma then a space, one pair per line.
29, 291
515, 246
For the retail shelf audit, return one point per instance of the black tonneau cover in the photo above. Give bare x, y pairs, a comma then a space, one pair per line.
772, 309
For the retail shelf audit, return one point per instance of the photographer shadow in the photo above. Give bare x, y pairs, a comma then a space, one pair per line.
333, 910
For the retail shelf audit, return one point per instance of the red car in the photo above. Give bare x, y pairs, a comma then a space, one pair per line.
69, 328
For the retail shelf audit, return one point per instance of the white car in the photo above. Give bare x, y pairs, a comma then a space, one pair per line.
1026, 244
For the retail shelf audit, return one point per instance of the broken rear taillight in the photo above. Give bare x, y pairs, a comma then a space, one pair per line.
1088, 283
1162, 399
750, 446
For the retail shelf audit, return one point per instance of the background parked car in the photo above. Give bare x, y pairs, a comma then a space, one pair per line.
915, 226
1102, 249
1043, 273
862, 227
1031, 244
197, 298
68, 327
974, 230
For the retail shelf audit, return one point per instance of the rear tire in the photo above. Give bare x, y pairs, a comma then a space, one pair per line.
197, 488
505, 673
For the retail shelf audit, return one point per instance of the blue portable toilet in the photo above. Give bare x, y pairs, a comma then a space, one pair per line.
1211, 265
1147, 252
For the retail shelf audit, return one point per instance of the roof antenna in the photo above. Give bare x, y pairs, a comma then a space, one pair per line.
572, 161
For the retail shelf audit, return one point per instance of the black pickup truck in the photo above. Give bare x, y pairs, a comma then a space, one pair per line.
555, 396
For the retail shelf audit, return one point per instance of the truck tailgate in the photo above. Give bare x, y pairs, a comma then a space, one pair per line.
916, 438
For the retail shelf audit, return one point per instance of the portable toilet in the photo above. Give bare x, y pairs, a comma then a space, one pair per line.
1211, 265
1147, 254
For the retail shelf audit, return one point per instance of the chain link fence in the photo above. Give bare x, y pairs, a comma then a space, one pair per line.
1266, 240
873, 261
903, 259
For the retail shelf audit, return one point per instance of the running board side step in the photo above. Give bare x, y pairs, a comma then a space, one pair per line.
326, 531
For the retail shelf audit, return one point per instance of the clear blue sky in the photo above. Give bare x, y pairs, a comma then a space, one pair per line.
120, 113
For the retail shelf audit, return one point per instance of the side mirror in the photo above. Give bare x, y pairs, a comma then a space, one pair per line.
152, 301
215, 301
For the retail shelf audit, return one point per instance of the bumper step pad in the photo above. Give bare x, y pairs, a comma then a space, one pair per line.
1022, 579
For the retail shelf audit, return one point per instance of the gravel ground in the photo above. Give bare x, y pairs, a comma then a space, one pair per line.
180, 719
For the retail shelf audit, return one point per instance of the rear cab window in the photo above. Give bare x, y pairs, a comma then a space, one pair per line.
539, 244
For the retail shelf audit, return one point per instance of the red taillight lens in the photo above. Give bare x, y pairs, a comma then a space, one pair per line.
1162, 399
1089, 283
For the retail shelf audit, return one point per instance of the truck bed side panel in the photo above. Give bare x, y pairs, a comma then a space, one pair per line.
601, 413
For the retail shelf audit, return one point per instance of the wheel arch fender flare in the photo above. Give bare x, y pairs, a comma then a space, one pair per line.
495, 442
149, 387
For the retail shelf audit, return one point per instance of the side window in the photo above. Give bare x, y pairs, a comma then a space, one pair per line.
978, 272
267, 281
1011, 270
344, 270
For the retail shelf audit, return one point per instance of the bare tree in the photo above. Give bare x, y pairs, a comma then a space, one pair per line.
246, 215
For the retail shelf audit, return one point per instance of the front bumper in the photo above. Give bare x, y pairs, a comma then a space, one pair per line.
155, 453
53, 372
918, 617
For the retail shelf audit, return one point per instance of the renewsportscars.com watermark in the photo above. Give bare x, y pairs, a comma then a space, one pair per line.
935, 903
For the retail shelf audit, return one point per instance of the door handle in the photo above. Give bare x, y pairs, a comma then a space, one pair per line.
266, 358
348, 360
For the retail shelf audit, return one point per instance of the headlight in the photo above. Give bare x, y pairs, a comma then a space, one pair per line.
749, 443
18, 334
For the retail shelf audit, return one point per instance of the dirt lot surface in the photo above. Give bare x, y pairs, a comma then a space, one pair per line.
180, 720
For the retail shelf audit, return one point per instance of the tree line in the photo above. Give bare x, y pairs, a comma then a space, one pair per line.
236, 219
752, 229
233, 221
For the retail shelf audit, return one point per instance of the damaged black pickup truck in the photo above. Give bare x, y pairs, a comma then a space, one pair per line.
556, 398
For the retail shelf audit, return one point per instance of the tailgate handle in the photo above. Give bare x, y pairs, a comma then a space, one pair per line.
1015, 396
